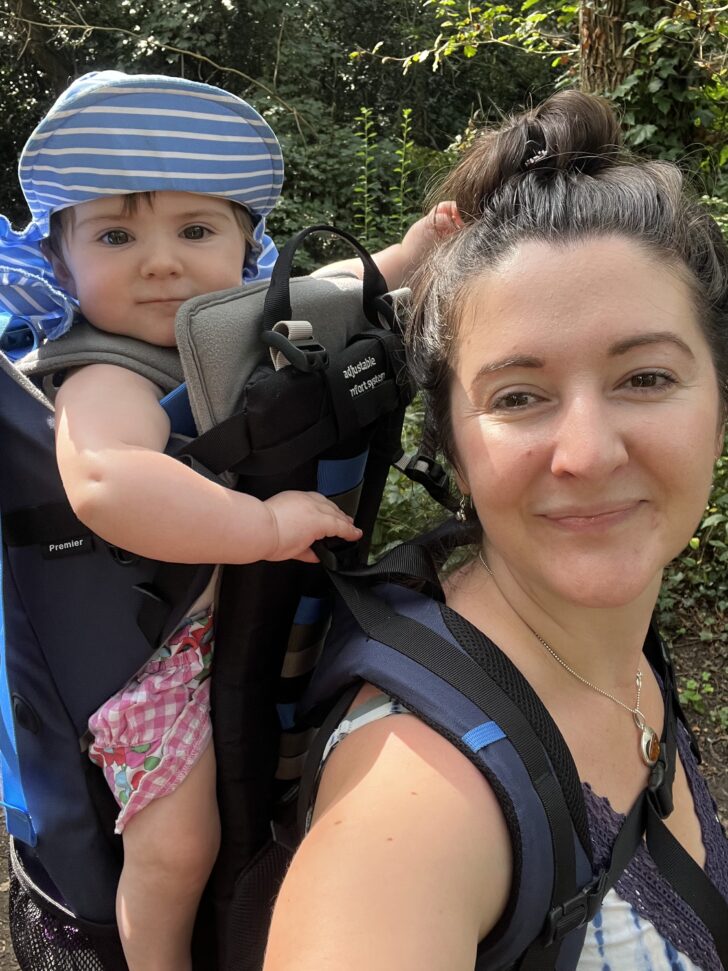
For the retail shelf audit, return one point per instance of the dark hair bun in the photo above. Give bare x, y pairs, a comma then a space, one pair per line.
569, 132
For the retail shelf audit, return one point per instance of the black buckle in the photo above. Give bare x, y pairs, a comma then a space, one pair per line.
429, 473
16, 339
576, 912
306, 355
658, 792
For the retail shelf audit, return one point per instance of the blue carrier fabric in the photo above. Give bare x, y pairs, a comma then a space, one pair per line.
70, 605
292, 384
391, 628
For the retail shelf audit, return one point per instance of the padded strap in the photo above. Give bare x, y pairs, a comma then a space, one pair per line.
458, 669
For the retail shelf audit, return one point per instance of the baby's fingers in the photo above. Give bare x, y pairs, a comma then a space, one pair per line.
447, 218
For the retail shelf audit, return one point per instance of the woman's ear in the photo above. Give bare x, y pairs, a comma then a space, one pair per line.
60, 270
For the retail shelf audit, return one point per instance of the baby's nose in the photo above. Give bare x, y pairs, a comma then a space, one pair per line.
160, 260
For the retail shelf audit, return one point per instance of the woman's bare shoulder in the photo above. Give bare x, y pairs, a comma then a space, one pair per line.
407, 834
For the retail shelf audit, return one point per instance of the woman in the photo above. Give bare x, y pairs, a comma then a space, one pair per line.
573, 341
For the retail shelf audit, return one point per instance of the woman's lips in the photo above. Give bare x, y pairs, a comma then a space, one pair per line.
579, 520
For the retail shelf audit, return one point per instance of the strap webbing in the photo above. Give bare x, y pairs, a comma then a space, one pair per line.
278, 298
689, 880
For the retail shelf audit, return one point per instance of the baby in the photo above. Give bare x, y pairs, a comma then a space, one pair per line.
147, 191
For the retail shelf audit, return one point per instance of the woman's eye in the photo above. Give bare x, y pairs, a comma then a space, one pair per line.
195, 232
649, 380
514, 401
116, 237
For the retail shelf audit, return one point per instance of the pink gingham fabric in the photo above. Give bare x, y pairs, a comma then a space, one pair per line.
148, 736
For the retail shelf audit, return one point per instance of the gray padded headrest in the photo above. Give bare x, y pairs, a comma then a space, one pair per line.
218, 336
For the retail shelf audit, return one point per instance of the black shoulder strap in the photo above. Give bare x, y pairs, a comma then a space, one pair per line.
673, 861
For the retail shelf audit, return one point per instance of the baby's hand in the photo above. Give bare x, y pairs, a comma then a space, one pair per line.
301, 518
440, 222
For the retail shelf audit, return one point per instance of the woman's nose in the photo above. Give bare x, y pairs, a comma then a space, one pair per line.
589, 439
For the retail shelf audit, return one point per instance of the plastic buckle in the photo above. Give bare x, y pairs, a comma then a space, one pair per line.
424, 470
658, 792
306, 355
576, 912
16, 340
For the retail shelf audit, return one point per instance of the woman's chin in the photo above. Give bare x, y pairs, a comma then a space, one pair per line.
604, 588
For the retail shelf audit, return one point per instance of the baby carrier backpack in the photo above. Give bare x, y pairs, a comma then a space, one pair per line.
293, 384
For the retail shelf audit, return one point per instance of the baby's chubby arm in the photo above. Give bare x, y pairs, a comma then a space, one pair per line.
398, 261
110, 436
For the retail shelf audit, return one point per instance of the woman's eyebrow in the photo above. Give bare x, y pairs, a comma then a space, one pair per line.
620, 347
642, 340
519, 360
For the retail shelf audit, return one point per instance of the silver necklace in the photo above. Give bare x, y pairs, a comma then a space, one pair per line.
649, 742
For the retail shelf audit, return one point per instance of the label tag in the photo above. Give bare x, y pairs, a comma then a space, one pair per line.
67, 547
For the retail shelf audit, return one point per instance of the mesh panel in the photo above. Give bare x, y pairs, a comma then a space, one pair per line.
251, 908
501, 669
43, 942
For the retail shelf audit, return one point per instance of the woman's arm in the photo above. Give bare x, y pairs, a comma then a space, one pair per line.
407, 865
110, 436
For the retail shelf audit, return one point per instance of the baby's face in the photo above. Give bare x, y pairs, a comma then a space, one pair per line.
130, 273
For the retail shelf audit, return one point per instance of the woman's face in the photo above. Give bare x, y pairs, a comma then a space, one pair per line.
585, 414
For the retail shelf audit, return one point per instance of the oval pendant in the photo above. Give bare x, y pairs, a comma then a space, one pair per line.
649, 746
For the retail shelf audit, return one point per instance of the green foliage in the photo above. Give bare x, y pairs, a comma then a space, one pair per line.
406, 508
696, 695
402, 194
676, 81
694, 597
390, 173
366, 186
664, 63
695, 691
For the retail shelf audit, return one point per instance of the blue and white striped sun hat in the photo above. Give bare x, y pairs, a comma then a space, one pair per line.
111, 134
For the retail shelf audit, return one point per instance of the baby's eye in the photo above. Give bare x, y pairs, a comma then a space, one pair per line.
515, 401
116, 237
195, 232
649, 380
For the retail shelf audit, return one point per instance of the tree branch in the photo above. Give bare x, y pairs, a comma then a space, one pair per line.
31, 24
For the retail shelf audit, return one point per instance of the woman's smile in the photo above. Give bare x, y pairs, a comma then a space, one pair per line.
599, 520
